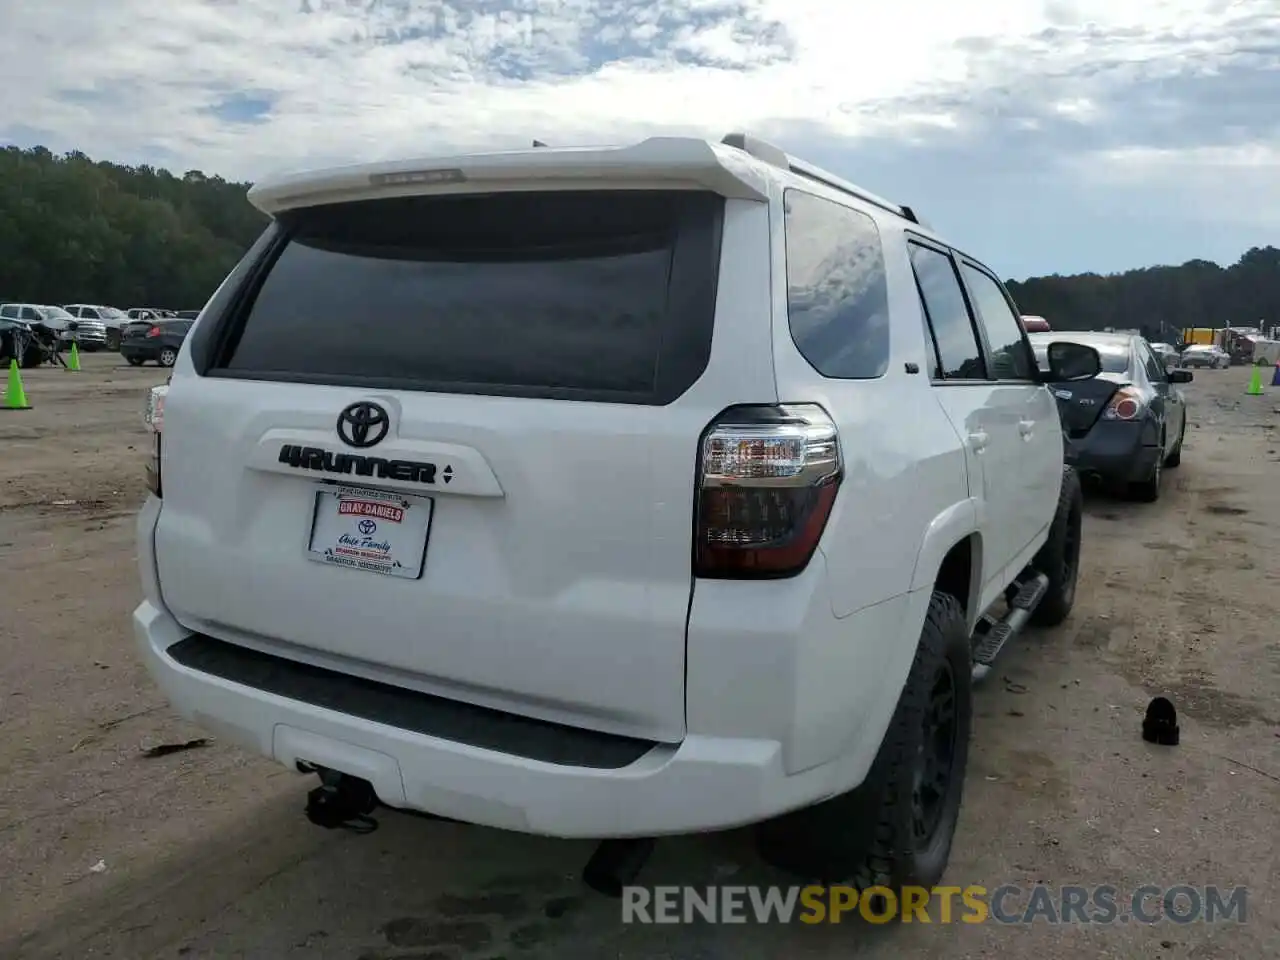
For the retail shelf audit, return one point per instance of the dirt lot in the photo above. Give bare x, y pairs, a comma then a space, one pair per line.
206, 853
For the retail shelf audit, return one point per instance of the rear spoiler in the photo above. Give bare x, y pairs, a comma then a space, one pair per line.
655, 163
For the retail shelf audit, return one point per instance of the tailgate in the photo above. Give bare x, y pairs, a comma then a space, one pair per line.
467, 462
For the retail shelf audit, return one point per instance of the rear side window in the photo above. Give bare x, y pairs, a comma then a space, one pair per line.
948, 315
837, 300
582, 295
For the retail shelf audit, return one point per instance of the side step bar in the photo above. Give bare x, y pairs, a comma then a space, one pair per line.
992, 634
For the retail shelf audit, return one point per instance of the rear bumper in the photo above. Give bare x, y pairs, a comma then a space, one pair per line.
1116, 452
703, 783
786, 751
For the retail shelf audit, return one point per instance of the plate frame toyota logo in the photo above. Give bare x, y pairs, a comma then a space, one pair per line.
363, 424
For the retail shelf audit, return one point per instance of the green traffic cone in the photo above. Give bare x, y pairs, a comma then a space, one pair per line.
15, 398
1255, 383
73, 363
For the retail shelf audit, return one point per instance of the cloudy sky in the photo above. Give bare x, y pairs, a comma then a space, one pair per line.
1044, 135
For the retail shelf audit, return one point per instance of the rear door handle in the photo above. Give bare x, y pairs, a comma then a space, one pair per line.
978, 440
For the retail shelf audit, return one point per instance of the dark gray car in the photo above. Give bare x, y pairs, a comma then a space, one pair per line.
1127, 424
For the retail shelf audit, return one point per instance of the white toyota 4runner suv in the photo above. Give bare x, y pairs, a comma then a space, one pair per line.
609, 493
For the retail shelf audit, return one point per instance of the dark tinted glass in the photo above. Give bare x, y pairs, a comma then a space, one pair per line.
836, 295
948, 315
1009, 357
527, 293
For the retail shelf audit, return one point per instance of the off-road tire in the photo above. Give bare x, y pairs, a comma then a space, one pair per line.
1059, 558
864, 838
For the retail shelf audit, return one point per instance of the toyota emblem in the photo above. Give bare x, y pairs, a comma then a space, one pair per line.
363, 424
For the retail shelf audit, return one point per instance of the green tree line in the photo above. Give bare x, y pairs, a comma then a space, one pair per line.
1160, 300
77, 231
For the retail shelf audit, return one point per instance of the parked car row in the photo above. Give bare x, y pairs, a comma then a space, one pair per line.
119, 322
149, 332
89, 333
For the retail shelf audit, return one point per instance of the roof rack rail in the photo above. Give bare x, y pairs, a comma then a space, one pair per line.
776, 156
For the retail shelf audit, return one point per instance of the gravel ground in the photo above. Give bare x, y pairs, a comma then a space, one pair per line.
205, 853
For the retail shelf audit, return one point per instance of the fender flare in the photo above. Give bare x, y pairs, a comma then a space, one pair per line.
944, 531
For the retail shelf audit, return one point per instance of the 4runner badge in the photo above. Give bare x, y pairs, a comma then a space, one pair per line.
353, 464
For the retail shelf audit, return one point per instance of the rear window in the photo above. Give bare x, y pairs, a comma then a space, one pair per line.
585, 295
1115, 359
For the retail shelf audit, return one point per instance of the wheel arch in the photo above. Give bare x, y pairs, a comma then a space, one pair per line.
951, 556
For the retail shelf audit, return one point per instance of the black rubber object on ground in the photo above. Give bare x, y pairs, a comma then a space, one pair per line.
1161, 723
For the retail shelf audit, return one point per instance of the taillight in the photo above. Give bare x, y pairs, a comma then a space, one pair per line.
154, 418
1126, 404
767, 480
153, 332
